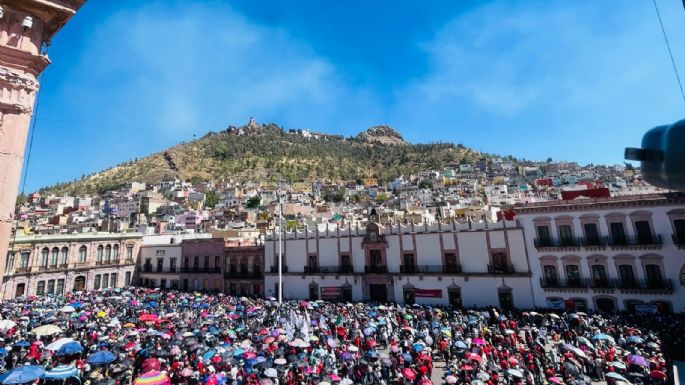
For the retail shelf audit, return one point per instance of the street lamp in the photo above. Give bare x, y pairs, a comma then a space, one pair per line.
280, 246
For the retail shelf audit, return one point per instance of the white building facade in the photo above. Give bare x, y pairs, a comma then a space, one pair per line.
459, 264
610, 254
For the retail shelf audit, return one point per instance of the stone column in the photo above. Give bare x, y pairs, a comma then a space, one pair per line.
26, 26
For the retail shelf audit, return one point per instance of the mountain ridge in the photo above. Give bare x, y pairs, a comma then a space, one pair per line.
269, 152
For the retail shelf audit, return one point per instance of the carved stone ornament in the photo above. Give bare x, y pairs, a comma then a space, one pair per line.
18, 80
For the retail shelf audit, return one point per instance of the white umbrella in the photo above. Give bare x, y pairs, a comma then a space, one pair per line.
271, 372
7, 324
451, 380
46, 330
280, 361
58, 344
67, 309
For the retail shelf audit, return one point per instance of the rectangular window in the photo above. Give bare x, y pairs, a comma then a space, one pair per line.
51, 286
160, 264
114, 280
206, 265
159, 252
217, 262
129, 252
591, 234
162, 283
618, 234
172, 264
196, 263
544, 239
551, 277
573, 275
105, 281
10, 262
24, 262
53, 257
627, 275
40, 288
96, 282
679, 226
60, 286
44, 257
654, 279
599, 275
644, 232
566, 235
127, 279
82, 254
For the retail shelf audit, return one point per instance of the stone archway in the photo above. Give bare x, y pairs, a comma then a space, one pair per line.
80, 283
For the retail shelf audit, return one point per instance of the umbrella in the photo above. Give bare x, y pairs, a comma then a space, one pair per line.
101, 358
406, 357
425, 381
571, 368
152, 378
147, 317
271, 372
46, 330
151, 364
418, 347
70, 348
460, 345
473, 356
555, 380
67, 309
409, 374
22, 344
186, 372
280, 361
62, 372
266, 381
515, 373
23, 374
635, 339
616, 376
478, 341
657, 374
638, 360
618, 364
56, 345
451, 379
371, 354
602, 336
7, 324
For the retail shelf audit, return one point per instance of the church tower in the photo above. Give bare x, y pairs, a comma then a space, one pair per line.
26, 28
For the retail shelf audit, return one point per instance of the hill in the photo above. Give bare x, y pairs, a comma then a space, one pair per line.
268, 152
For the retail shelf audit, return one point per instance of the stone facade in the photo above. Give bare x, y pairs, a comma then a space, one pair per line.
53, 264
26, 27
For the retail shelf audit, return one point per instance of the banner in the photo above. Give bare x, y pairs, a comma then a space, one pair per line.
555, 304
649, 308
427, 293
331, 293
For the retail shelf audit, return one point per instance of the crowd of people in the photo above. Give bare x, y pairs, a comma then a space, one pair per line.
157, 337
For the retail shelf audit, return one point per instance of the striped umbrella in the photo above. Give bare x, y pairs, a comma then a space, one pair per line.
61, 372
152, 378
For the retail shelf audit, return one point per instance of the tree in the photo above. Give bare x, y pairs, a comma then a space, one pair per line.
211, 198
425, 184
253, 202
382, 197
549, 160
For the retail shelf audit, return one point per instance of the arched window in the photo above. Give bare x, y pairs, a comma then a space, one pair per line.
64, 256
100, 253
82, 254
108, 252
44, 256
54, 256
116, 252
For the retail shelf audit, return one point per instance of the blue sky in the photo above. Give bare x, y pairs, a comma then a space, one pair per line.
574, 80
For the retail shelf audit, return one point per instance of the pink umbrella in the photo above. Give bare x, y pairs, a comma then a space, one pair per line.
187, 372
555, 380
249, 355
478, 341
175, 350
473, 356
425, 381
334, 377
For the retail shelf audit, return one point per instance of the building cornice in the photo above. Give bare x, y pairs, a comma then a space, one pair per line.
624, 202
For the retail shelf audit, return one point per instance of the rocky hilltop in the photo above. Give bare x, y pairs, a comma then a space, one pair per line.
381, 135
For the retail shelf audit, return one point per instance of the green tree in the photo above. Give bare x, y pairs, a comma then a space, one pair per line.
211, 199
425, 184
382, 197
253, 202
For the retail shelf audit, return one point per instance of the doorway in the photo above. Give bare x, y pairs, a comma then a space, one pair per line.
606, 305
378, 293
506, 299
409, 296
21, 288
80, 283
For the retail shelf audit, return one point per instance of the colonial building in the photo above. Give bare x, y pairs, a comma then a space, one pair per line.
244, 267
59, 263
620, 253
159, 264
461, 264
202, 261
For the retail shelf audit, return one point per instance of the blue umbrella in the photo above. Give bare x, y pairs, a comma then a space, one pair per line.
371, 354
70, 348
76, 305
3, 352
460, 345
635, 339
22, 344
602, 336
151, 304
406, 357
238, 352
418, 347
209, 354
101, 358
61, 372
23, 374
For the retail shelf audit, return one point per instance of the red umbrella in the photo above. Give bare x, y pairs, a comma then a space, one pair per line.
409, 374
513, 361
151, 364
249, 355
473, 356
466, 367
147, 317
371, 343
658, 374
425, 381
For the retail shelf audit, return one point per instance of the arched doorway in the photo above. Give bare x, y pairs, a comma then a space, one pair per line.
20, 290
606, 305
80, 283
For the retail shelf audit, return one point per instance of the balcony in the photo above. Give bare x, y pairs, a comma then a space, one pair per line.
501, 269
679, 241
24, 269
600, 284
644, 286
243, 275
167, 270
653, 241
345, 269
375, 269
106, 262
592, 241
206, 270
431, 269
551, 283
541, 243
311, 269
274, 269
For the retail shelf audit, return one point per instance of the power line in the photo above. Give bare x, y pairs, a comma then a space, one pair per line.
668, 46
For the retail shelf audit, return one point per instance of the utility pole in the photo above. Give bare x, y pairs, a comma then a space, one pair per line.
280, 247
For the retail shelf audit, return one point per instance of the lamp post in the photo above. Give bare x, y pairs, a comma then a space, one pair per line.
280, 246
